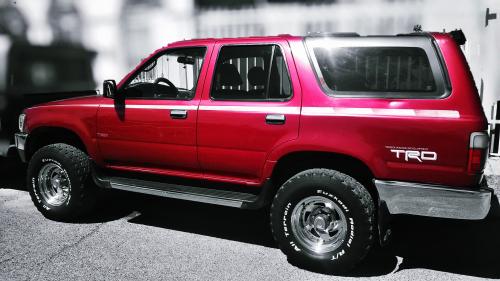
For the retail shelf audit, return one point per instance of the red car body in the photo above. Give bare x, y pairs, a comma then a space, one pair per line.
229, 141
339, 132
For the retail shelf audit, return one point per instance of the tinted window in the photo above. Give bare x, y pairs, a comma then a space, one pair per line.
251, 73
377, 69
173, 75
398, 68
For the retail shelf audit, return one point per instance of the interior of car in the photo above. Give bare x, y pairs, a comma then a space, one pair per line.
251, 73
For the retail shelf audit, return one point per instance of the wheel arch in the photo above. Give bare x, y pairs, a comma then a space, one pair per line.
294, 162
45, 135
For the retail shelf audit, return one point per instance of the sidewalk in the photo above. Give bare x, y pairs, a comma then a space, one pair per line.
492, 172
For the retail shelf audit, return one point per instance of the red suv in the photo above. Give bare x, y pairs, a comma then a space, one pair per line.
336, 132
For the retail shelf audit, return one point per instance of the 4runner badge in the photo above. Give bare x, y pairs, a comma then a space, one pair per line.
407, 153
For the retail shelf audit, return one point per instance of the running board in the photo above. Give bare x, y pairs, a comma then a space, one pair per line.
190, 193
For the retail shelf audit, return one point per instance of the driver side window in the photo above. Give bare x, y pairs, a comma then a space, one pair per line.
172, 75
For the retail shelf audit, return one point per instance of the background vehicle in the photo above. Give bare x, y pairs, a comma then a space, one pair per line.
32, 75
338, 131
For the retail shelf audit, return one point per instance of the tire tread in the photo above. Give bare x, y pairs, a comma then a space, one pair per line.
80, 166
360, 192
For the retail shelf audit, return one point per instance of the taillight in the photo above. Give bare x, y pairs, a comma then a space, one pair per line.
478, 152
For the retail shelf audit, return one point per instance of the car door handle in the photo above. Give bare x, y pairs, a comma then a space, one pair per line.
275, 119
178, 114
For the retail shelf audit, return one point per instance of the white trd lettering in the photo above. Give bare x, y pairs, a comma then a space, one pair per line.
420, 156
428, 155
412, 154
397, 151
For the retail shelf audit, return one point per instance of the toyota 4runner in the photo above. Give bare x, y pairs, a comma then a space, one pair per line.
334, 132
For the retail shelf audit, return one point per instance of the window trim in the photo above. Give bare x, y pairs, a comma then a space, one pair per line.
442, 63
212, 84
156, 56
439, 72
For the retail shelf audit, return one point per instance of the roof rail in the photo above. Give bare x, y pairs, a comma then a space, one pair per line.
332, 34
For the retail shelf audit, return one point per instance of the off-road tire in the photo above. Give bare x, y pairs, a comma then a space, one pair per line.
356, 204
76, 164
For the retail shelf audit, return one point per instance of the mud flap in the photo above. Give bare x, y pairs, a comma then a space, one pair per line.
384, 224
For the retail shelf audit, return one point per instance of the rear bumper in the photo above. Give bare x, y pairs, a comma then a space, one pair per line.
434, 200
20, 139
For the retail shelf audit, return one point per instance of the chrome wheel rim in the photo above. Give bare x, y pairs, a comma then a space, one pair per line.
54, 184
319, 224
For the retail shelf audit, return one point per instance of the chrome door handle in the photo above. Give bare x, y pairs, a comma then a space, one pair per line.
275, 119
178, 114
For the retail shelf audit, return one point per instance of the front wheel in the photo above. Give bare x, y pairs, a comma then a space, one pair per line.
58, 181
324, 220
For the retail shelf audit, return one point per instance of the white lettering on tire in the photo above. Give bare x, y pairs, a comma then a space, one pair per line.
337, 255
285, 228
349, 239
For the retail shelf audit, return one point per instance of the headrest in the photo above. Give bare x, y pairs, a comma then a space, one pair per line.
257, 76
229, 75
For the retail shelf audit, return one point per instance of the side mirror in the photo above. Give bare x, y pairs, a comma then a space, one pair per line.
109, 88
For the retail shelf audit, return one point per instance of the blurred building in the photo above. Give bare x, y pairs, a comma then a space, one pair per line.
121, 31
12, 21
65, 22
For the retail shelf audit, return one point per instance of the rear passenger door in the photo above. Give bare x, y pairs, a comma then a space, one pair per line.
249, 106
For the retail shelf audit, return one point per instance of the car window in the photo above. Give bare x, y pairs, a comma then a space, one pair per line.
253, 72
377, 71
172, 75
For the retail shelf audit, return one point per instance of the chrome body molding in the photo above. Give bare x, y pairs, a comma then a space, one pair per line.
214, 196
20, 139
434, 200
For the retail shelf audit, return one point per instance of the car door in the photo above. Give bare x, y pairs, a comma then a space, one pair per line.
151, 124
250, 107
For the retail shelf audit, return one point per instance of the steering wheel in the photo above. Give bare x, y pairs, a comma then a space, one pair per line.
166, 81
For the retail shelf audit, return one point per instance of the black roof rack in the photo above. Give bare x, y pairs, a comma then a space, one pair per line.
459, 36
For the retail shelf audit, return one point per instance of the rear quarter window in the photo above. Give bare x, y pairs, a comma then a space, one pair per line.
390, 67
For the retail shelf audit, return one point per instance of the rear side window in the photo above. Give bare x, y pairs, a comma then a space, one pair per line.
252, 72
378, 71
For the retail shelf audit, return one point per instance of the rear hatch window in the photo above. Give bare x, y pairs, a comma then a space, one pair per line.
386, 67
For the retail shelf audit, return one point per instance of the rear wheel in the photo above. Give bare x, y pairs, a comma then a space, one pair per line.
59, 182
323, 220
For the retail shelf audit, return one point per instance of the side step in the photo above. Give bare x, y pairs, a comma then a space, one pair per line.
198, 194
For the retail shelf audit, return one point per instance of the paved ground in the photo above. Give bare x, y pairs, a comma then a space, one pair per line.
158, 239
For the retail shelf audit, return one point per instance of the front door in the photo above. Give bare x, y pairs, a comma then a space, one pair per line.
151, 124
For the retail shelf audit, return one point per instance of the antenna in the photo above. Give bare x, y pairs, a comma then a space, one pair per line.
417, 28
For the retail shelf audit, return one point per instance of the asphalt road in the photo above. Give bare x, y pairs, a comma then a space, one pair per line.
147, 238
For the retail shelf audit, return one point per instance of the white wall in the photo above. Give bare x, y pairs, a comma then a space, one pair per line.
375, 17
